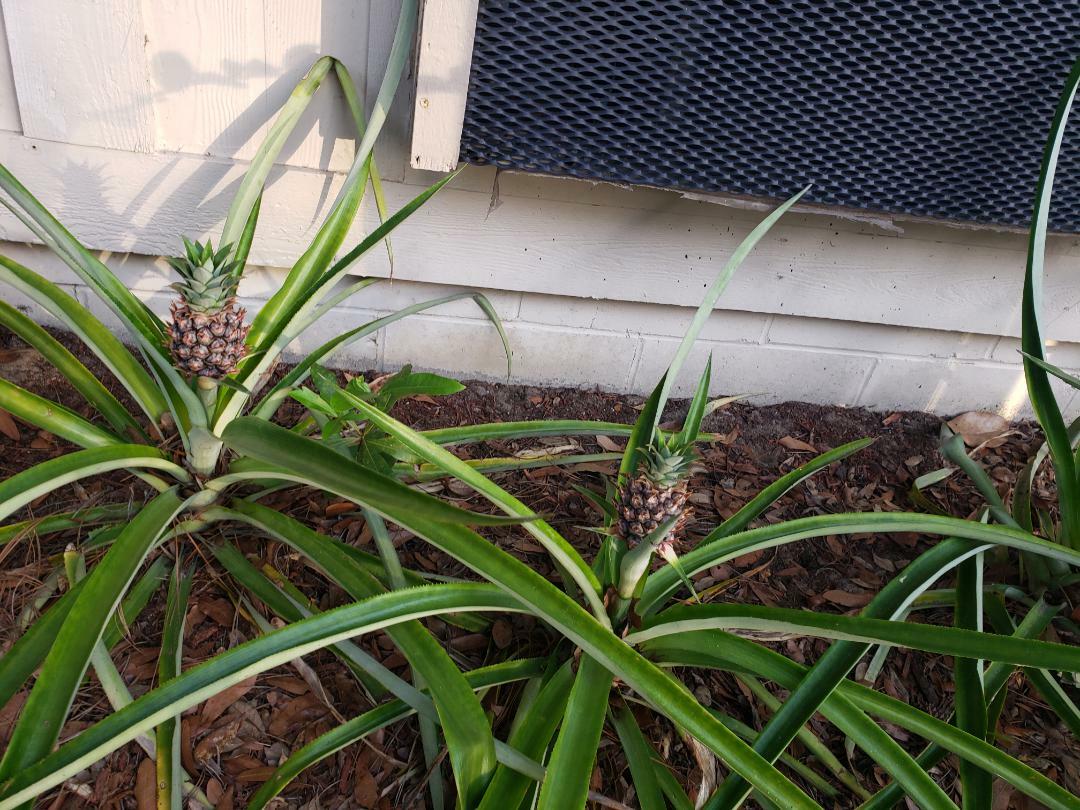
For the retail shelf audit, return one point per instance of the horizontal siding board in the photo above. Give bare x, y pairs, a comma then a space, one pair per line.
810, 265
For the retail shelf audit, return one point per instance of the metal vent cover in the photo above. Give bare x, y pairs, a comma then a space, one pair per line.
935, 109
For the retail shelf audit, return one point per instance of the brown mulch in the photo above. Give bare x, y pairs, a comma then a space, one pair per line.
232, 743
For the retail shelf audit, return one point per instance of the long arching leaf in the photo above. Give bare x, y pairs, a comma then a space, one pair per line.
211, 677
927, 637
356, 729
554, 543
1043, 401
319, 465
24, 487
50, 700
726, 651
88, 386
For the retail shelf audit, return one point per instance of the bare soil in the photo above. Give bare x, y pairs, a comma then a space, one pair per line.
232, 744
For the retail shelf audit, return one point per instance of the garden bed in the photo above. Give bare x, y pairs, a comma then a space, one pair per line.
234, 740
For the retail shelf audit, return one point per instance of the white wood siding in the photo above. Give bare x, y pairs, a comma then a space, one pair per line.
140, 135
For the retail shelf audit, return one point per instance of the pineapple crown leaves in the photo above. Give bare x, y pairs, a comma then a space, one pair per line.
209, 278
667, 460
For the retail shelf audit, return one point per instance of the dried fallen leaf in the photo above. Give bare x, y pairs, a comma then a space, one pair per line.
544, 452
146, 785
847, 599
8, 426
976, 427
502, 633
366, 792
608, 444
791, 443
219, 703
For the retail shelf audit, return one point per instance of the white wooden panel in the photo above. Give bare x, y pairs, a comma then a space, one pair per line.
221, 72
80, 71
392, 148
810, 265
9, 103
298, 33
208, 74
442, 82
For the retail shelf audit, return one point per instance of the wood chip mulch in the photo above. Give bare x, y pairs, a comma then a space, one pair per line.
234, 741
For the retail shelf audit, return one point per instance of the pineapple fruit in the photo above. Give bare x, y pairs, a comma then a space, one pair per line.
657, 493
206, 336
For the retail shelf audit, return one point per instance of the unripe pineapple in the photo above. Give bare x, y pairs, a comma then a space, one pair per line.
657, 493
206, 336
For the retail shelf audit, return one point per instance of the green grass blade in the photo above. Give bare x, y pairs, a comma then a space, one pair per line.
696, 412
277, 600
356, 729
211, 677
715, 549
709, 302
673, 791
488, 309
926, 637
138, 596
468, 734
468, 434
88, 386
431, 472
1043, 401
818, 749
531, 737
50, 700
248, 195
1050, 368
718, 649
352, 100
554, 543
781, 486
977, 784
280, 330
304, 460
322, 468
132, 312
302, 370
25, 487
167, 736
335, 228
639, 756
953, 449
1044, 682
840, 658
26, 654
54, 418
997, 677
66, 521
567, 782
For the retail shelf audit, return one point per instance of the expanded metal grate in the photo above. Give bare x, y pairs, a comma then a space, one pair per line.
936, 109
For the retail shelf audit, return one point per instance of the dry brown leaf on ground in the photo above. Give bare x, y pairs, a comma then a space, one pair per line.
8, 426
609, 445
791, 443
847, 598
977, 427
219, 703
146, 785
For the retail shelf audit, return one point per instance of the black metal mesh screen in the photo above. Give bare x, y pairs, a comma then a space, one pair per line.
929, 108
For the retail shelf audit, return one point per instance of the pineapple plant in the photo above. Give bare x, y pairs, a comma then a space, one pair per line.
207, 332
657, 494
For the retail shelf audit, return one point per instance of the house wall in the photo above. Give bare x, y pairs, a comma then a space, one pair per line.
133, 120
